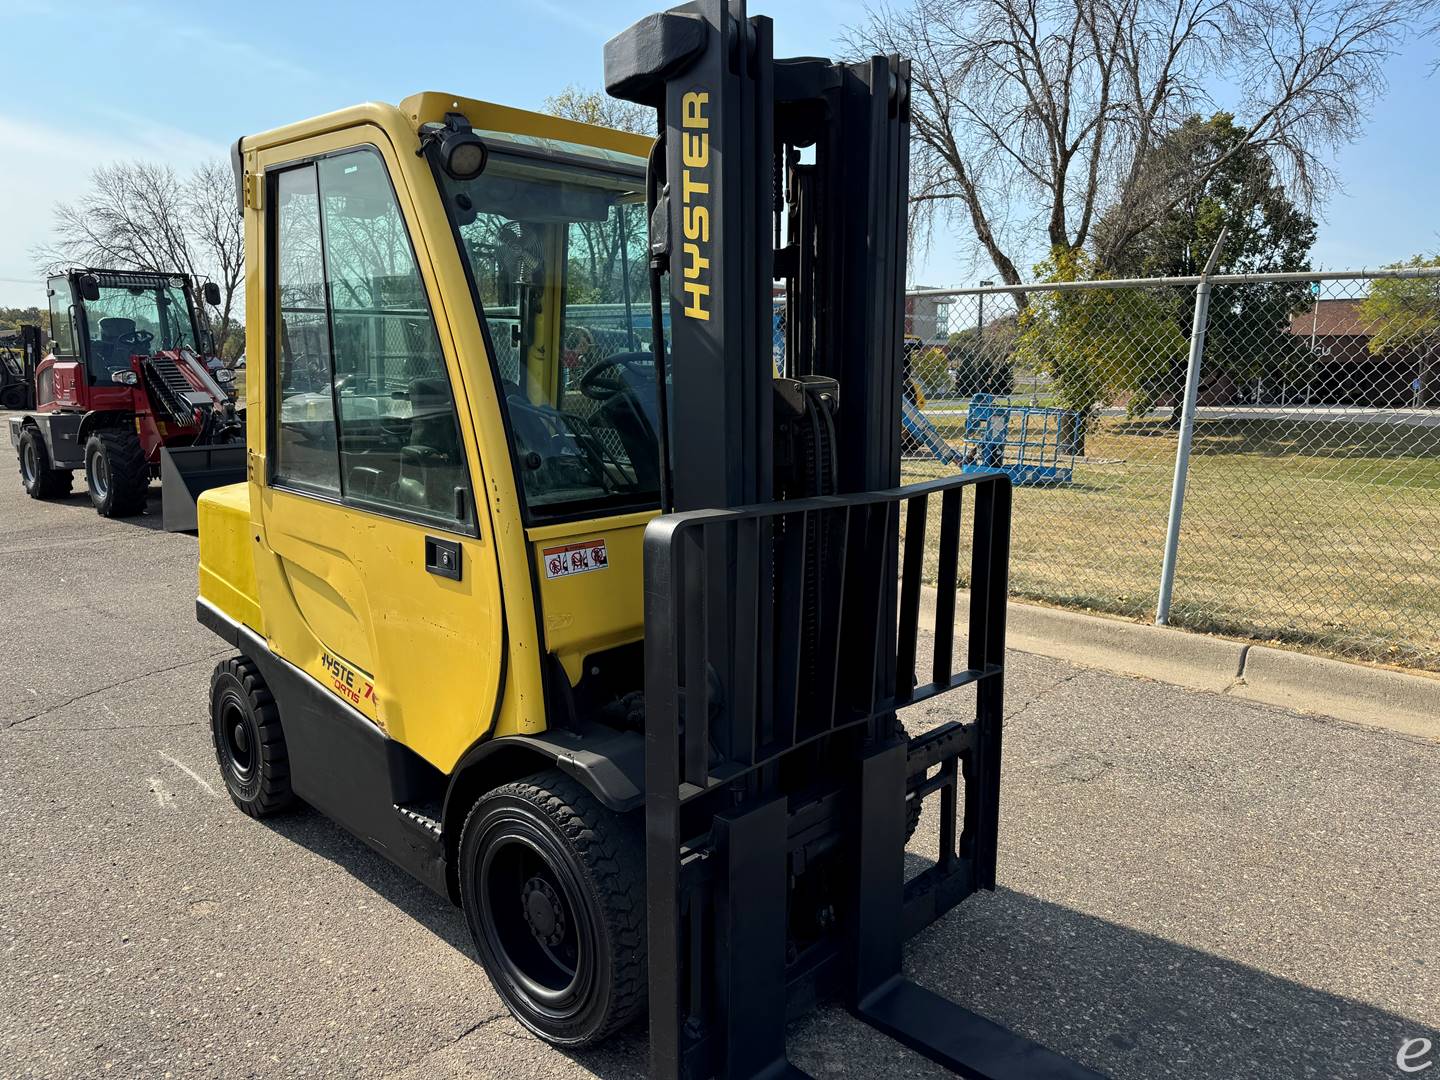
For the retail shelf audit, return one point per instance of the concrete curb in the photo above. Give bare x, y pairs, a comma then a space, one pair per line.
1312, 684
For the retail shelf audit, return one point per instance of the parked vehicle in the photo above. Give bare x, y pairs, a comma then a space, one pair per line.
126, 395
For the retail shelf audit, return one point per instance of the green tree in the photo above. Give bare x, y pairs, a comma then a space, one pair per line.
1265, 233
1403, 314
13, 317
981, 359
1098, 346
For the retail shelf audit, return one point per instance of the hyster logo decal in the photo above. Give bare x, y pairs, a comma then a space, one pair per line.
348, 681
694, 195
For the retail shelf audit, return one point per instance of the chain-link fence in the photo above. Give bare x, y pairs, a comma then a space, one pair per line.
1311, 512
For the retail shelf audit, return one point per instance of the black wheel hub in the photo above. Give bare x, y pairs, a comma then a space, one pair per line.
544, 911
534, 923
237, 743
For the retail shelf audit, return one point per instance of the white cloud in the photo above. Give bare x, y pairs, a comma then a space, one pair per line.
54, 165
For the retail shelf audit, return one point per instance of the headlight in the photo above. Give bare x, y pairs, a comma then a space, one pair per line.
458, 150
463, 156
124, 378
225, 375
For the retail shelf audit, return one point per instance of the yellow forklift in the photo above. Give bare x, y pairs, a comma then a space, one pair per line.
545, 584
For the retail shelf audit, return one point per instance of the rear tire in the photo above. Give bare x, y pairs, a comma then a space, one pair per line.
116, 472
249, 743
41, 480
553, 888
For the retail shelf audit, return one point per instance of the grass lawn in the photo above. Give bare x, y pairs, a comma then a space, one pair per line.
1325, 535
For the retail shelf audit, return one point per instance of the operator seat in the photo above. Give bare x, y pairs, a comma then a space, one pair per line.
429, 462
111, 356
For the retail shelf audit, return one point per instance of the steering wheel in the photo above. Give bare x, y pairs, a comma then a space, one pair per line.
602, 381
136, 342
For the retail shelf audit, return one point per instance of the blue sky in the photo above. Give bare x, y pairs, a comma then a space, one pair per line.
88, 81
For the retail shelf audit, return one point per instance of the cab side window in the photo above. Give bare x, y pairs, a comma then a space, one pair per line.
62, 327
361, 376
305, 435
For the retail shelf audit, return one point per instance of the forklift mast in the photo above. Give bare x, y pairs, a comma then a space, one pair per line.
737, 207
782, 602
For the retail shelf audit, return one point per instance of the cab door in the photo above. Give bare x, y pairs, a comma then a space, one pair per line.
381, 576
56, 375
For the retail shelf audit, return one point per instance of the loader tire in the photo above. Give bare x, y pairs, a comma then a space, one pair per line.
40, 479
249, 743
116, 472
553, 888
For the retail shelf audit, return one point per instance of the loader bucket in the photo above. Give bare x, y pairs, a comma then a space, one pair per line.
186, 471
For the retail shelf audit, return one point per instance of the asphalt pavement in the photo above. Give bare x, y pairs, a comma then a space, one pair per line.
1190, 885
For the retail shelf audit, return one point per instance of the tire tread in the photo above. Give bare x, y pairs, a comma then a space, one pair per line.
275, 793
129, 471
50, 482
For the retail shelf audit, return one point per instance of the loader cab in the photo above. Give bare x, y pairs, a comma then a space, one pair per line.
98, 320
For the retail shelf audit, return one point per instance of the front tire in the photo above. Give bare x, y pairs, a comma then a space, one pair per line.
41, 480
553, 888
249, 743
116, 472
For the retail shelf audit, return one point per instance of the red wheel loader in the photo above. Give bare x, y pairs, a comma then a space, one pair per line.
125, 395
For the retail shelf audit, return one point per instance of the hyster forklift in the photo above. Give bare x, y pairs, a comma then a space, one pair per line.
602, 635
126, 395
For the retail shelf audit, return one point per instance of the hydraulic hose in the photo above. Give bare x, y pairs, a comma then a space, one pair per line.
658, 264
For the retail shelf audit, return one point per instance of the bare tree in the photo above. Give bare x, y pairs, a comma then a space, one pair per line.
218, 231
1032, 117
142, 216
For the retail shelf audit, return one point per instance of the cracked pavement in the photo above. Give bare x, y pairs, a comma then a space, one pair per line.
1191, 886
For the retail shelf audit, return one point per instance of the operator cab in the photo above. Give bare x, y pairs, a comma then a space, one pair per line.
555, 241
103, 318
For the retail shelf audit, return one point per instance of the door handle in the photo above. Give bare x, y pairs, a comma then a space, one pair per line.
442, 557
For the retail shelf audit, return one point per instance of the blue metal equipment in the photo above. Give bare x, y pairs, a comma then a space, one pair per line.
1026, 442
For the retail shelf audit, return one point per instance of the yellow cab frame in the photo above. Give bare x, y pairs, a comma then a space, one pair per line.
406, 693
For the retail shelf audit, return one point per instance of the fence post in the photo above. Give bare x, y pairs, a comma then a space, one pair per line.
1187, 432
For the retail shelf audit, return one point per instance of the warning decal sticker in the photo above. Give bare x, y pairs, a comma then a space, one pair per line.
578, 558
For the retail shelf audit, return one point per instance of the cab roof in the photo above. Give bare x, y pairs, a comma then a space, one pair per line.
402, 122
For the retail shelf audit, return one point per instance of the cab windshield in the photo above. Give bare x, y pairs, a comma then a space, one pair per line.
133, 318
557, 253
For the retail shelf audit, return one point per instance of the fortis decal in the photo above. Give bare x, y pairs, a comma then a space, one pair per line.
694, 201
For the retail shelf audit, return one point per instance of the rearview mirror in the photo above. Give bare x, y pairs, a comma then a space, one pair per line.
211, 292
89, 288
